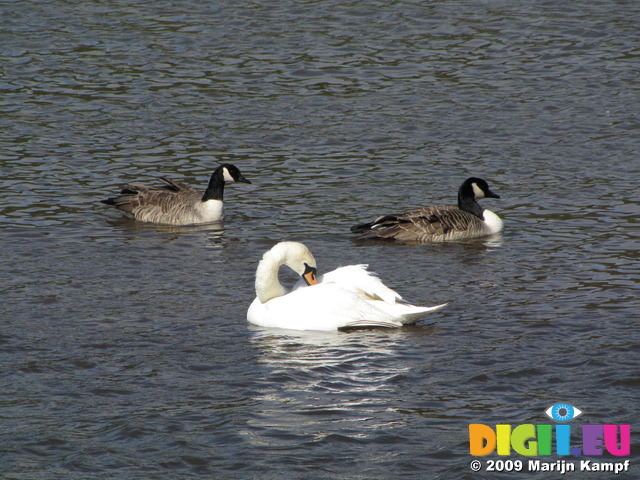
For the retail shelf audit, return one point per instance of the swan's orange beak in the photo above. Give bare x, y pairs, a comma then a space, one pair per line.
309, 275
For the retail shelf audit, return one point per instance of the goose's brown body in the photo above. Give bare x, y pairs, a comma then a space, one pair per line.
429, 224
439, 223
176, 203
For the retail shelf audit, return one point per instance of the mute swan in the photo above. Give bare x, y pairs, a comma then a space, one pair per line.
441, 223
346, 297
176, 203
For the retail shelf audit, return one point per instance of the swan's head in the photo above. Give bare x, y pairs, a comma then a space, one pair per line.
298, 258
292, 254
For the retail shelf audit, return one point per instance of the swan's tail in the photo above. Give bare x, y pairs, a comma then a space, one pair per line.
411, 313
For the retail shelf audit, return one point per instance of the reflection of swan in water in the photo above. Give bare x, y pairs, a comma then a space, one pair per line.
309, 349
315, 387
354, 358
346, 297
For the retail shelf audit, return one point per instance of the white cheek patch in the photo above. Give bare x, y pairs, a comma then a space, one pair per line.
477, 191
227, 176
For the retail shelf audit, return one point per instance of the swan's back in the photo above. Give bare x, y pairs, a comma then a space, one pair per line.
358, 279
323, 307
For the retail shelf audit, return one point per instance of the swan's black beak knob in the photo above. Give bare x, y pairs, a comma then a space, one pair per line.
309, 275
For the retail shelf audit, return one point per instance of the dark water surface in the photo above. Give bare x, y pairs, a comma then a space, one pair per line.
124, 347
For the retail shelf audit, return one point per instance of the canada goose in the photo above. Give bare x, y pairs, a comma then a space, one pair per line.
441, 223
346, 297
176, 203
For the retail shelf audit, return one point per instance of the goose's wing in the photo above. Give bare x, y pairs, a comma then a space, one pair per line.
174, 186
151, 203
440, 220
422, 224
169, 186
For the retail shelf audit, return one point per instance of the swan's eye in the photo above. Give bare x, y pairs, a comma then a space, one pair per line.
562, 412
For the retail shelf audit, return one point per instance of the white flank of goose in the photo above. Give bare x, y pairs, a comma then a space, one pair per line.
346, 297
440, 223
176, 203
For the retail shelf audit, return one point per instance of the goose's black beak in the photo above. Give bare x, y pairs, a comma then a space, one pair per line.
309, 275
490, 194
242, 179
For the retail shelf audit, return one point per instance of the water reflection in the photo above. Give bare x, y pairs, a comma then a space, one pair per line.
331, 381
133, 228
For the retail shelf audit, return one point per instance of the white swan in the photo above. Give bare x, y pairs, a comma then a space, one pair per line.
346, 297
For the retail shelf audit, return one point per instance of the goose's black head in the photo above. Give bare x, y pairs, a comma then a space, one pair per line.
476, 188
226, 172
471, 190
230, 173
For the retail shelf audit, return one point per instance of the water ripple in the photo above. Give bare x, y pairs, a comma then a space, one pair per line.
124, 346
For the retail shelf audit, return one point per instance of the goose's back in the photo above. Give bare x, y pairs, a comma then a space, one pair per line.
429, 224
171, 204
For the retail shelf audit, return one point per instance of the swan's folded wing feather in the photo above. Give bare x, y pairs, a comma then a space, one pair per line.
369, 324
357, 278
411, 315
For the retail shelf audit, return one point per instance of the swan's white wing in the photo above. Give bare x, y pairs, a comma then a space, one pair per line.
357, 279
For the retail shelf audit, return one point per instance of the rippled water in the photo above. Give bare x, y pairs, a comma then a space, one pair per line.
124, 347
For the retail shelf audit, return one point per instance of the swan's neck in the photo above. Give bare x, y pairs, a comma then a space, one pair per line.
267, 284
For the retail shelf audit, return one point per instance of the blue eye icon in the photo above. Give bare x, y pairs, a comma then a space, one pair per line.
562, 412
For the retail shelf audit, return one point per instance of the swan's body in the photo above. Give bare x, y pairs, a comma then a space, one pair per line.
176, 203
440, 223
346, 297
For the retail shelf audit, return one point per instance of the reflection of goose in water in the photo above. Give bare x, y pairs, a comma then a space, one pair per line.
441, 223
176, 203
346, 297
